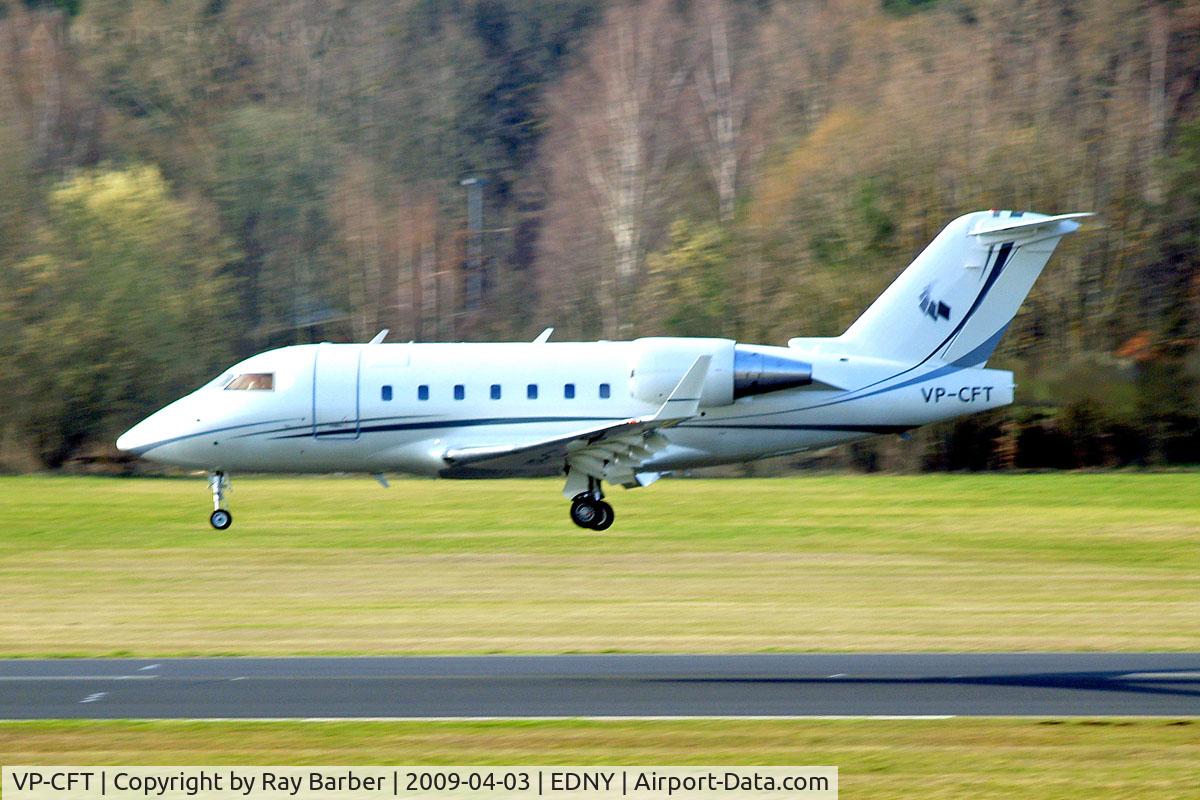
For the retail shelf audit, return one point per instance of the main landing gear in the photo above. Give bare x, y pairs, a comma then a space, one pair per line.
588, 509
220, 518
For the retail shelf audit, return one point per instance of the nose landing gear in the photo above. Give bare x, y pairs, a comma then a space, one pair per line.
588, 509
220, 518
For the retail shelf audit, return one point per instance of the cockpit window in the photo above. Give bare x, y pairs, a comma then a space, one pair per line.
253, 382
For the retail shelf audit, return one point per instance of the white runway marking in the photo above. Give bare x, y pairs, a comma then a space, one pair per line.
91, 698
585, 718
622, 718
77, 677
1161, 676
149, 666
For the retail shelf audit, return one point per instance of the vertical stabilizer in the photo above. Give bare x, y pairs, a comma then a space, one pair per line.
954, 302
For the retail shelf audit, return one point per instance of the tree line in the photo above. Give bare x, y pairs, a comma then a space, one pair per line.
188, 183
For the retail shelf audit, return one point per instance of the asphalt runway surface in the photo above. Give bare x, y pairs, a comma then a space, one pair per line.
976, 684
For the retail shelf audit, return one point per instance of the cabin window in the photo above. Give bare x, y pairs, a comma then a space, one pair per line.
385, 393
531, 391
422, 392
569, 391
459, 391
252, 382
605, 391
495, 391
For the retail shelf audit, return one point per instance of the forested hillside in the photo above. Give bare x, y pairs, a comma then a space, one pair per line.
186, 182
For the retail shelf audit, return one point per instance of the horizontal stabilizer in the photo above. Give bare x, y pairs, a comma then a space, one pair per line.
1019, 227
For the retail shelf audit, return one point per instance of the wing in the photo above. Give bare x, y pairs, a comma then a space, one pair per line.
611, 452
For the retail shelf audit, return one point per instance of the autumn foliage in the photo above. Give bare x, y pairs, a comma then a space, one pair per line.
185, 184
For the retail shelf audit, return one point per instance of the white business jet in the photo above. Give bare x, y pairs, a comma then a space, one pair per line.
620, 412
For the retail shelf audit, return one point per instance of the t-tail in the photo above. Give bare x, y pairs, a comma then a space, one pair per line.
955, 301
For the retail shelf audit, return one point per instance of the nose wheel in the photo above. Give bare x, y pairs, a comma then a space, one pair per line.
220, 518
588, 509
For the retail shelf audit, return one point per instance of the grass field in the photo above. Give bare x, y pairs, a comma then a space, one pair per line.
956, 758
96, 566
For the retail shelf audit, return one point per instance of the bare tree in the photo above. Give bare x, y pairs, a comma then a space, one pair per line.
44, 90
361, 262
1159, 35
722, 90
430, 298
609, 129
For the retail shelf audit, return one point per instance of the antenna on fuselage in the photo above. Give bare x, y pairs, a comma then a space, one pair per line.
544, 336
379, 337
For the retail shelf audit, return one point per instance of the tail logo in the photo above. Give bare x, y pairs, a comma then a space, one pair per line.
934, 309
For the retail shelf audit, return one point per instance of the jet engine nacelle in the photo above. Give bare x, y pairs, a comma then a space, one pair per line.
658, 364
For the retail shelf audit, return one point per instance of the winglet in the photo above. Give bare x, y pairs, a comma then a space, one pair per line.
684, 401
544, 336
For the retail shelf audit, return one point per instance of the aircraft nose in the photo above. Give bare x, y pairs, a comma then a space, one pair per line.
167, 435
134, 440
152, 432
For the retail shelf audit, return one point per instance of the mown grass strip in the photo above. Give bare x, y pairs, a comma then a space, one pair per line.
97, 566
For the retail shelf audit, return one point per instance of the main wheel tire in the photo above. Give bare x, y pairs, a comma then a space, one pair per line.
606, 518
220, 519
585, 511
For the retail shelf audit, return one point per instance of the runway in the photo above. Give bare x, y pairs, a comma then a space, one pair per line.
1024, 684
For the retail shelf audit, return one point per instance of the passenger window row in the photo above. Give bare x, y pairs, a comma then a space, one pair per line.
495, 392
